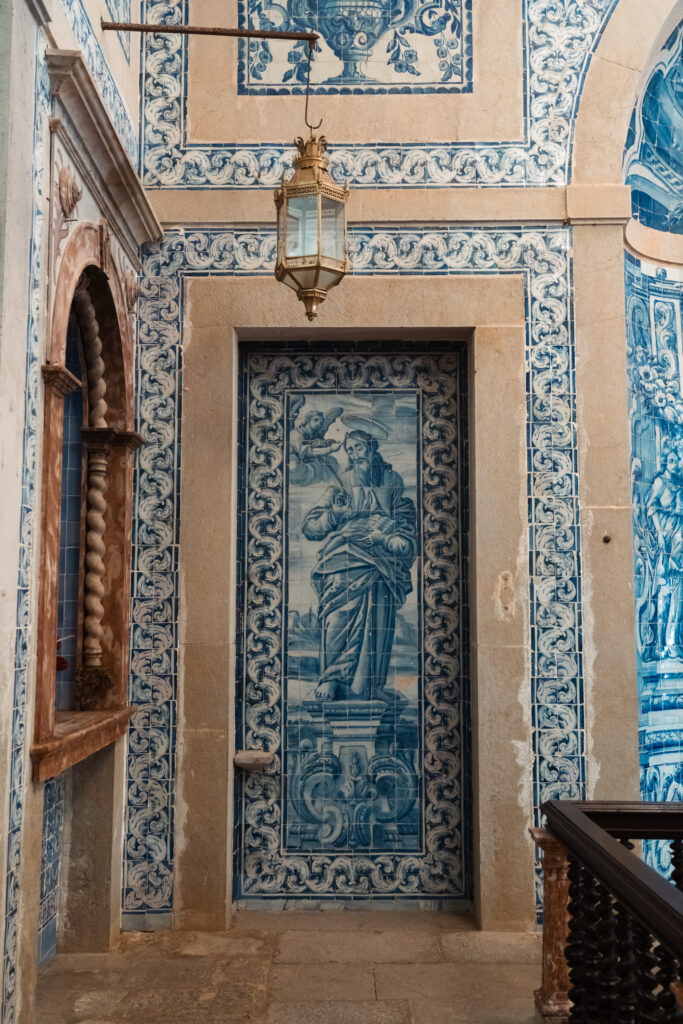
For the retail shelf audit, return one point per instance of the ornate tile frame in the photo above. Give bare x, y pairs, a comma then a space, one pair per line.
542, 255
559, 41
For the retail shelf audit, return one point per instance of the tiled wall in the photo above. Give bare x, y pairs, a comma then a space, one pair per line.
53, 823
70, 532
654, 152
542, 256
655, 353
559, 40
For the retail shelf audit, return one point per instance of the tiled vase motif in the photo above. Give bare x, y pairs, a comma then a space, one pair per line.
365, 46
655, 351
353, 668
654, 151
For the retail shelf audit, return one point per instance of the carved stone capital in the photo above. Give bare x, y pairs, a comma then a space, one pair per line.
59, 379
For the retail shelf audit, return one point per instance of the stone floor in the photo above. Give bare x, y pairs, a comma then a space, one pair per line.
293, 968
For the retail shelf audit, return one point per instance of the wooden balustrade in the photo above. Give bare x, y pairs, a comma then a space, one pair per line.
620, 922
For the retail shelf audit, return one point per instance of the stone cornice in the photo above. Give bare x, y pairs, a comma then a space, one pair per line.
59, 379
82, 123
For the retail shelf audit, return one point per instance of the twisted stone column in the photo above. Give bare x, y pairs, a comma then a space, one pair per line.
93, 681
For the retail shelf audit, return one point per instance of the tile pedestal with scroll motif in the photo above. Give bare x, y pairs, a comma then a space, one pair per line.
353, 662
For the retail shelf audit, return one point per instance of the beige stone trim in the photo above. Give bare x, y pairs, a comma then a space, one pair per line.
575, 204
658, 246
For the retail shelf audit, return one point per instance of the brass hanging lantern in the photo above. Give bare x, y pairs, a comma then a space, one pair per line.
311, 220
311, 226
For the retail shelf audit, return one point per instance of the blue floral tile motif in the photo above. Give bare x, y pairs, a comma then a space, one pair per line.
541, 255
26, 547
654, 314
654, 153
366, 46
561, 36
354, 604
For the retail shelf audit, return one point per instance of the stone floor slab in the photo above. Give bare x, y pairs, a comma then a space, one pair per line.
307, 983
305, 947
492, 947
340, 1012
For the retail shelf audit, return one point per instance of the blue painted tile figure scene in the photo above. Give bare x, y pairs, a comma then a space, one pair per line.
353, 666
654, 148
365, 46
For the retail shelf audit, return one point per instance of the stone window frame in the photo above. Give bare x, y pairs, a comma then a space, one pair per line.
89, 284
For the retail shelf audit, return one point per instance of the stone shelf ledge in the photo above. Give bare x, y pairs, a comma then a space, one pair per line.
77, 735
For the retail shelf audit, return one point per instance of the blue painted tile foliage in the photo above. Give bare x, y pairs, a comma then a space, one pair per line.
353, 663
379, 46
26, 547
542, 256
654, 148
53, 822
560, 36
655, 368
81, 26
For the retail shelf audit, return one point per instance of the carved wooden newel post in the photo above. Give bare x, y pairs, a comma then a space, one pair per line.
93, 681
552, 998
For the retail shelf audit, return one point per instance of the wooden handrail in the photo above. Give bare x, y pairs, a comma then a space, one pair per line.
589, 830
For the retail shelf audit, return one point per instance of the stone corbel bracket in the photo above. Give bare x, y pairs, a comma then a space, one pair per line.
81, 123
59, 379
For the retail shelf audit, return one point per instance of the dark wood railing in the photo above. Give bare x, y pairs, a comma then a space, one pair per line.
625, 940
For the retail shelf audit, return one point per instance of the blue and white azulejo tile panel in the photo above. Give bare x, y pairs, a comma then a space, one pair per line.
560, 38
654, 315
654, 150
541, 255
365, 46
353, 664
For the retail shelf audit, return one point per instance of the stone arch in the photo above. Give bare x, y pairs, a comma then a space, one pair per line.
632, 34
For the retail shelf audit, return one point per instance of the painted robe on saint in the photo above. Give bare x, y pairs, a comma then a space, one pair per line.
361, 577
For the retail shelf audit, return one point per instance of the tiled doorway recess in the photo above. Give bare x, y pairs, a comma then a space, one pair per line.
353, 627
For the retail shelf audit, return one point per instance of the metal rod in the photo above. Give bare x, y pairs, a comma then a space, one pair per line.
199, 30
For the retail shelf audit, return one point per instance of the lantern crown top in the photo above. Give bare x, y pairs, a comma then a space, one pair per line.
311, 152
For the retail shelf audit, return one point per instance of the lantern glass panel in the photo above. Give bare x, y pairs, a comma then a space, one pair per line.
328, 278
332, 242
302, 226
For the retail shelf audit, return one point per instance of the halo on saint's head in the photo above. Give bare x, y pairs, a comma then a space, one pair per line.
374, 428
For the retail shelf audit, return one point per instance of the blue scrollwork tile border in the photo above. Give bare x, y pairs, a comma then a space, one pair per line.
542, 255
560, 37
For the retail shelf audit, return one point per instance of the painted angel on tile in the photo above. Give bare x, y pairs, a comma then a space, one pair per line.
310, 451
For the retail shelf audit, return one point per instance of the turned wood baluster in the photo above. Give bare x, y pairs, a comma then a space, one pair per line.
626, 969
666, 975
647, 1009
93, 680
608, 985
578, 877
